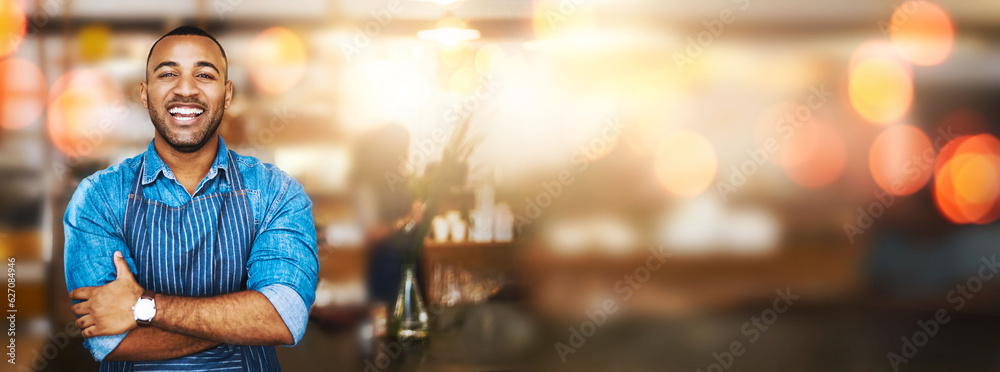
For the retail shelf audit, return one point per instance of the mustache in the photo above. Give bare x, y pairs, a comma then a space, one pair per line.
187, 100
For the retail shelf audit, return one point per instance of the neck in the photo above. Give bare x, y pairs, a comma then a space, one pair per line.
189, 167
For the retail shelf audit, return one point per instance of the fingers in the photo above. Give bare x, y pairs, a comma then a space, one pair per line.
99, 330
85, 322
82, 293
82, 308
89, 332
121, 266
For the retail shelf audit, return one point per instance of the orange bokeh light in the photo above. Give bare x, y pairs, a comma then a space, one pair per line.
876, 48
685, 163
824, 162
901, 159
922, 32
13, 26
880, 89
967, 180
780, 126
22, 93
86, 107
277, 60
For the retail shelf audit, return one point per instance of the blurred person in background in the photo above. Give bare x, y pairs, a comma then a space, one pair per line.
385, 206
189, 256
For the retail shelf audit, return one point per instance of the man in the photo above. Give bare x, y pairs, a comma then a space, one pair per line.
189, 256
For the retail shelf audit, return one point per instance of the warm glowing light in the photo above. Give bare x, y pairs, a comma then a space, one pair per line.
491, 60
787, 127
685, 163
876, 48
824, 163
976, 179
922, 32
85, 109
944, 188
382, 91
555, 18
901, 159
22, 93
13, 25
880, 89
94, 43
464, 81
449, 32
277, 60
967, 180
448, 36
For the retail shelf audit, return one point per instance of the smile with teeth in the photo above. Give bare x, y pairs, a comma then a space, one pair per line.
185, 114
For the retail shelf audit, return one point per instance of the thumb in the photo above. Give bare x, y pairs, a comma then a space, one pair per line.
122, 266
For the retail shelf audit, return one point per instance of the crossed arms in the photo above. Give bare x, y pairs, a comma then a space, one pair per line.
182, 325
282, 271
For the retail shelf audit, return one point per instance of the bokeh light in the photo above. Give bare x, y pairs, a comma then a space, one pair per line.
381, 91
86, 107
880, 89
491, 60
22, 93
685, 163
967, 180
875, 48
901, 159
277, 60
824, 162
922, 32
464, 81
795, 139
94, 43
13, 26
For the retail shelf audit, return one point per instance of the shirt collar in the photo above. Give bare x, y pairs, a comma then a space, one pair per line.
155, 165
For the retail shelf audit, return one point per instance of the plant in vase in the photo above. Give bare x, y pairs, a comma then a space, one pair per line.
440, 180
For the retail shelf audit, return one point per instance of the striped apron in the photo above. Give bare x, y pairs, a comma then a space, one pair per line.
198, 249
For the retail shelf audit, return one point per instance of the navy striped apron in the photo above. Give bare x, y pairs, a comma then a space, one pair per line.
198, 249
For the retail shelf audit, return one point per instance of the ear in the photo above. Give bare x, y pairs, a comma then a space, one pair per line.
229, 93
142, 94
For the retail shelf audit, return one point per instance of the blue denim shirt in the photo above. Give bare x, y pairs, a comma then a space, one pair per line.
282, 265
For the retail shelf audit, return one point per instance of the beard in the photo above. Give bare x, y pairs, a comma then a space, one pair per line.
178, 139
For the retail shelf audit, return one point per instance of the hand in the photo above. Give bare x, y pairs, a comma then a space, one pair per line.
107, 309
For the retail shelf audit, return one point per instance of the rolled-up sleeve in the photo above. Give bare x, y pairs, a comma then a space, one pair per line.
283, 264
92, 237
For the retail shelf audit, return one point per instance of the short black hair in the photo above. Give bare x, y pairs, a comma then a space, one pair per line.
192, 31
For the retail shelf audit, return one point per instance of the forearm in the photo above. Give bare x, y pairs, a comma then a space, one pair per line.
245, 318
150, 343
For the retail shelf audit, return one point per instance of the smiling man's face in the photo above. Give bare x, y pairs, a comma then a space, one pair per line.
186, 90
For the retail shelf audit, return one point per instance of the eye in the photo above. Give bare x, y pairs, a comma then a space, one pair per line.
205, 76
166, 74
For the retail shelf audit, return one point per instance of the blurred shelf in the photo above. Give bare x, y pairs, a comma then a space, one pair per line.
342, 264
685, 283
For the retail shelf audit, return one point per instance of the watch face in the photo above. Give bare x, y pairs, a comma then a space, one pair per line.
144, 309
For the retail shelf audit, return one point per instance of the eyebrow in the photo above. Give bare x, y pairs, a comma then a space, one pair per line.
198, 64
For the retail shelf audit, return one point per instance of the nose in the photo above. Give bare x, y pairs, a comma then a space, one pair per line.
185, 86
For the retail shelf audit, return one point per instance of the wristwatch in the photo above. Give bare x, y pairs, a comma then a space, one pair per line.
145, 308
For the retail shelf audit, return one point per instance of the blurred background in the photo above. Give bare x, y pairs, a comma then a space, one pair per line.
649, 185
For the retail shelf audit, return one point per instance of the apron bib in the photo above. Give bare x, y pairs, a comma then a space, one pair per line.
198, 249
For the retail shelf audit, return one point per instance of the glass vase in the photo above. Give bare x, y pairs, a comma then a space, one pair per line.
409, 318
